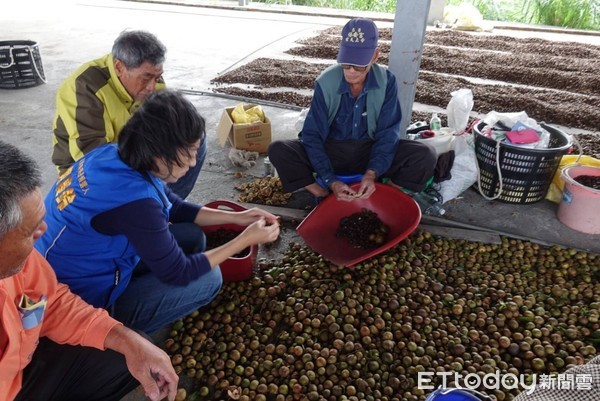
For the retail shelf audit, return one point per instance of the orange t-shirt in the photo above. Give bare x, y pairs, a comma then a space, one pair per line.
67, 319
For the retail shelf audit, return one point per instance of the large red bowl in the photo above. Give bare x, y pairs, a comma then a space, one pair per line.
395, 208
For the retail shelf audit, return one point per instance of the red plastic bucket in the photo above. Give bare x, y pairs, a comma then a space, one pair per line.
233, 269
579, 207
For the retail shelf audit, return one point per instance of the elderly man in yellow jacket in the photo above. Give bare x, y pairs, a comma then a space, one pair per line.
94, 102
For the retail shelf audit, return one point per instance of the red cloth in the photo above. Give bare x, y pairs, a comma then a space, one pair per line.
523, 136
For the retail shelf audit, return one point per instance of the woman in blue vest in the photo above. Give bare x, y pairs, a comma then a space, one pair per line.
353, 127
123, 241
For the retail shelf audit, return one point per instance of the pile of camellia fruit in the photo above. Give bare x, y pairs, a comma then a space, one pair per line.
304, 329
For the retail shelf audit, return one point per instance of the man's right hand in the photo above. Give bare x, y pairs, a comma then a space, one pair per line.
342, 191
150, 365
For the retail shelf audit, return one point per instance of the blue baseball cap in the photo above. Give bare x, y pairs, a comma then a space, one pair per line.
359, 42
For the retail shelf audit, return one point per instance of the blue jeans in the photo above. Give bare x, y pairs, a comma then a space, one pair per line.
185, 184
148, 304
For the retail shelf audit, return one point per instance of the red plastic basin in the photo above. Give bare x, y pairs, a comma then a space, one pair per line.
233, 269
395, 208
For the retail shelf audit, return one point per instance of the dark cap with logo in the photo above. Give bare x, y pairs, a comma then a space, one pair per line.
359, 42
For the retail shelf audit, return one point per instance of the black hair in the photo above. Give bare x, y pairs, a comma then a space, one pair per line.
165, 125
19, 177
133, 48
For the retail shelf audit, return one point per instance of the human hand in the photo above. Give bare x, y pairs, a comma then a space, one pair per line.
342, 191
250, 216
367, 186
262, 231
317, 190
153, 369
147, 363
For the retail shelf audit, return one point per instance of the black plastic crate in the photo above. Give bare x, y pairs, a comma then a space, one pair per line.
20, 64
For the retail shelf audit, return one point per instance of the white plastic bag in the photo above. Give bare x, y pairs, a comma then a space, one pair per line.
510, 119
242, 158
458, 110
465, 17
464, 169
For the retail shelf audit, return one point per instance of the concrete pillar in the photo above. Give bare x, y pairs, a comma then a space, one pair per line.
406, 51
243, 2
436, 11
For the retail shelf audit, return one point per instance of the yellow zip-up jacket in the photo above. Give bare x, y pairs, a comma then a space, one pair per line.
92, 106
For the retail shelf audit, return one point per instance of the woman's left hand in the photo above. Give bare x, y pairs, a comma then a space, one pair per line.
247, 217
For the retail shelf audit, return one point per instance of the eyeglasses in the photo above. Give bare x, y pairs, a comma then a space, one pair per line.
355, 67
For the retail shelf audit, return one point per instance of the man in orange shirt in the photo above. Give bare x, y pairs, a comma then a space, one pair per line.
42, 322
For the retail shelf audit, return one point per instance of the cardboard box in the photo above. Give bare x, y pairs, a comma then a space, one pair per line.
254, 137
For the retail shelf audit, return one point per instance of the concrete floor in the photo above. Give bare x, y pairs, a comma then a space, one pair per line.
203, 42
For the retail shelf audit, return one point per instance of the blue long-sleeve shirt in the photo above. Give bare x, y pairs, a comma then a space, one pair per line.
350, 123
144, 226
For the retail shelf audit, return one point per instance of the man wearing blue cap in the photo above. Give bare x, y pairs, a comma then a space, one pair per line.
353, 127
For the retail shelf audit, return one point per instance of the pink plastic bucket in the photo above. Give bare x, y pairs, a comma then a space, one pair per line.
579, 207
